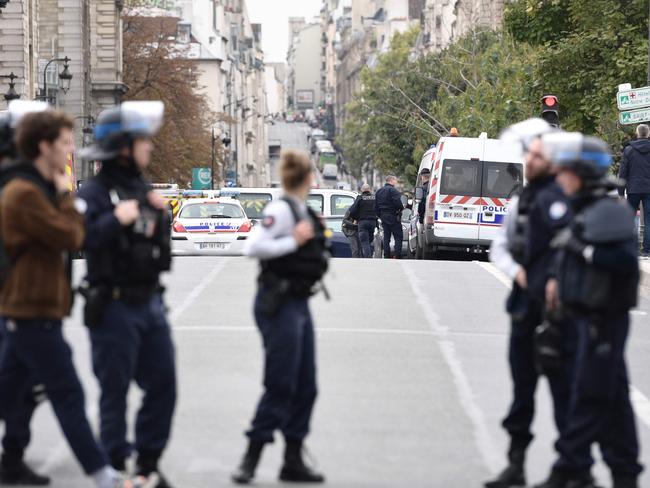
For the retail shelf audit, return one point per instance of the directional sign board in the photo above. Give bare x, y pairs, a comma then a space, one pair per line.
631, 99
635, 116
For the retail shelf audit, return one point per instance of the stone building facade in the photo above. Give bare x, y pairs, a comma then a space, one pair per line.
89, 33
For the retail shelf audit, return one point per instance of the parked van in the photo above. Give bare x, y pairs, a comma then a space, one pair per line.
472, 181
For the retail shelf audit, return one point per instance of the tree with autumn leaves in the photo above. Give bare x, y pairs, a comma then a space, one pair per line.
155, 68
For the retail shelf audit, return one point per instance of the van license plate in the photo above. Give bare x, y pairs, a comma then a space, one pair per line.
458, 215
213, 245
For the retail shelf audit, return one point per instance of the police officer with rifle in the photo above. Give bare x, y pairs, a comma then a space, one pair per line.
127, 248
292, 246
596, 280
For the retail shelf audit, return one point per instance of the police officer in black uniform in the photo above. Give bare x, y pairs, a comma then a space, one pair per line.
389, 207
127, 247
425, 176
535, 218
292, 247
13, 470
363, 211
597, 278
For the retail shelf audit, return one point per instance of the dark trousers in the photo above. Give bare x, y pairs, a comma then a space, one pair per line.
17, 431
395, 230
367, 237
355, 246
35, 350
289, 372
525, 377
635, 200
134, 343
600, 409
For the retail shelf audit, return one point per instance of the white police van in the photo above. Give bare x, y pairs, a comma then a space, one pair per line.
472, 181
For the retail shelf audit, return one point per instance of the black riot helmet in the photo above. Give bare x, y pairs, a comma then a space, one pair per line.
9, 120
118, 127
587, 156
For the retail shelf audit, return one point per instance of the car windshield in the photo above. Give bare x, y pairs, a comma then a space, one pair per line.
254, 203
335, 225
211, 210
341, 203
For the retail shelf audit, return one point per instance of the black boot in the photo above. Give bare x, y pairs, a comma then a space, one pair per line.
18, 473
295, 469
513, 475
559, 479
246, 470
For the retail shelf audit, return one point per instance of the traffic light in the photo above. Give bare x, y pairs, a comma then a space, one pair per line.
551, 110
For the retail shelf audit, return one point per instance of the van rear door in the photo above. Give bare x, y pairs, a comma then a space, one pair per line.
458, 201
503, 177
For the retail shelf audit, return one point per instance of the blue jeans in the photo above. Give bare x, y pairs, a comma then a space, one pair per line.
134, 343
289, 372
635, 200
35, 350
367, 236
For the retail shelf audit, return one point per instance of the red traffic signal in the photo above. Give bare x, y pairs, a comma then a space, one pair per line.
549, 102
551, 110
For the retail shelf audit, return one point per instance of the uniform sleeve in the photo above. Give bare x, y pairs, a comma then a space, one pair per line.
422, 205
273, 238
624, 171
58, 227
396, 197
102, 227
499, 251
354, 209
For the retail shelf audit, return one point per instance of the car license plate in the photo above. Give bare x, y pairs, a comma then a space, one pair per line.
212, 245
458, 215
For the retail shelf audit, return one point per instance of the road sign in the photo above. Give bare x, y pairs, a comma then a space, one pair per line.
635, 116
630, 99
201, 178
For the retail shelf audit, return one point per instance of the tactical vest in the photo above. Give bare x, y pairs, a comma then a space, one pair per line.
144, 248
518, 238
585, 288
307, 265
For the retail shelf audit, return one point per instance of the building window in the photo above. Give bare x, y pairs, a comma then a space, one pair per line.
184, 32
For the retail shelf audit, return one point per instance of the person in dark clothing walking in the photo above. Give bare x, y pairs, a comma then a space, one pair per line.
363, 211
389, 207
350, 229
635, 171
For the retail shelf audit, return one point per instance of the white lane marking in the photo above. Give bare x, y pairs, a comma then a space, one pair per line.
490, 454
198, 289
640, 402
494, 271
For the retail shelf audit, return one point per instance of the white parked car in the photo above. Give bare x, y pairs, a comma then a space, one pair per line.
210, 226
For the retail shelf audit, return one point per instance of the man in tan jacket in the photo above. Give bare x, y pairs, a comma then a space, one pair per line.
39, 226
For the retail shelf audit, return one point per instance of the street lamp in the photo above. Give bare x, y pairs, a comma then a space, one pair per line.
65, 76
225, 140
11, 94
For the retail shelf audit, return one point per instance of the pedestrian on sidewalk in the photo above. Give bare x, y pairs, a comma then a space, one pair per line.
389, 208
635, 171
292, 247
363, 211
40, 227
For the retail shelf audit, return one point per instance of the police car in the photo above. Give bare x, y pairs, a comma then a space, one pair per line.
472, 181
210, 226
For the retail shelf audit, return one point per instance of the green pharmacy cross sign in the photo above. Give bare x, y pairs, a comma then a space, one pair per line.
631, 99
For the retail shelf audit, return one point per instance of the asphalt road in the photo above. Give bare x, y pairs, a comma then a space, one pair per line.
412, 369
291, 136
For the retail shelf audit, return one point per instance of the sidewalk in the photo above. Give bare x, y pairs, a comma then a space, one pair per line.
645, 266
